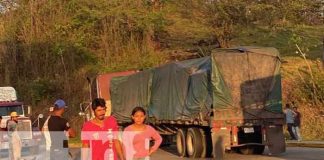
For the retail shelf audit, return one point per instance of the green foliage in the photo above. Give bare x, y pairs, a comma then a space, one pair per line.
311, 89
51, 44
306, 86
47, 48
224, 17
283, 38
77, 37
42, 89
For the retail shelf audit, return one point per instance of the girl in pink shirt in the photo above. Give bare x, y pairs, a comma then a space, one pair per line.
137, 136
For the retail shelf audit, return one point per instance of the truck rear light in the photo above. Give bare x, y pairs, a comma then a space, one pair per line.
235, 138
234, 134
264, 134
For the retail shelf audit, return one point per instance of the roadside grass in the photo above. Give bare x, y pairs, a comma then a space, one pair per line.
296, 87
184, 34
284, 39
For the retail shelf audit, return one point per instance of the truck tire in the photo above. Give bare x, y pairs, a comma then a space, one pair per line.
181, 142
207, 143
194, 143
166, 140
258, 149
246, 150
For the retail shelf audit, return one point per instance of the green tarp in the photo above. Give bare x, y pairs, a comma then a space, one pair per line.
230, 78
180, 89
128, 92
252, 75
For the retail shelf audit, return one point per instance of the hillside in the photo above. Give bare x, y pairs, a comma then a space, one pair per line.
297, 84
48, 49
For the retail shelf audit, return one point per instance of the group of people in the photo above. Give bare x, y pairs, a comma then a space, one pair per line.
101, 139
293, 120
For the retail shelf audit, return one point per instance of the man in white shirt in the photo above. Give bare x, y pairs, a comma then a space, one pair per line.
15, 141
290, 115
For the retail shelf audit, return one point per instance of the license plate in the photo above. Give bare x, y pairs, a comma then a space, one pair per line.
248, 130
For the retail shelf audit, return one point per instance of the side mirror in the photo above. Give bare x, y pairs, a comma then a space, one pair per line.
40, 116
82, 109
85, 108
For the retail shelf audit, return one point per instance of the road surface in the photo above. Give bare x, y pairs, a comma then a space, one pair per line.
292, 153
169, 153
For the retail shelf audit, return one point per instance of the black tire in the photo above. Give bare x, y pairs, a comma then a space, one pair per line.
181, 142
207, 143
166, 140
194, 143
258, 149
246, 150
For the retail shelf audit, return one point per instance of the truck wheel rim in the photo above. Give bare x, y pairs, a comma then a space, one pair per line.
190, 144
179, 144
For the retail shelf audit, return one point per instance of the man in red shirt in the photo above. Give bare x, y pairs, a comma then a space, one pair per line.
99, 135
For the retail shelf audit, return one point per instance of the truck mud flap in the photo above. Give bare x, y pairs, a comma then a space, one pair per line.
275, 139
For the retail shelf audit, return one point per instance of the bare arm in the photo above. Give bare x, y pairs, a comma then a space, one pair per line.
71, 132
294, 114
85, 151
157, 141
119, 149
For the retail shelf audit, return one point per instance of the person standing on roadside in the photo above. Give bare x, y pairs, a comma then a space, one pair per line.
296, 126
137, 137
59, 127
100, 135
1, 129
46, 134
290, 121
15, 141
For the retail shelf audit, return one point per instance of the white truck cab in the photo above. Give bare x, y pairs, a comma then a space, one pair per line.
29, 137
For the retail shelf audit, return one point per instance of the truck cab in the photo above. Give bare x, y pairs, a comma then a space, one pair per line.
30, 137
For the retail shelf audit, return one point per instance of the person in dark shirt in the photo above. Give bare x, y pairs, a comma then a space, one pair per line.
60, 130
296, 126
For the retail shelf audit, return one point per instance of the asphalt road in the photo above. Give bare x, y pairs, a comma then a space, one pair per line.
292, 153
169, 153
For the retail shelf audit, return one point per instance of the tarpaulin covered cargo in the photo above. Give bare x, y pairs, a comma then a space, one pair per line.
128, 92
230, 78
103, 83
181, 90
252, 75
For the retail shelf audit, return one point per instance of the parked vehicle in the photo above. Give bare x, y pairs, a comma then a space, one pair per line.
30, 136
230, 100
